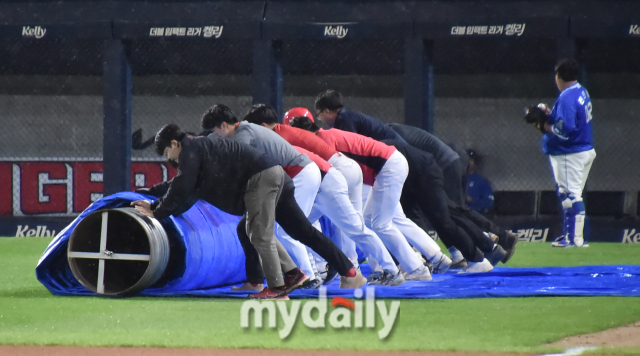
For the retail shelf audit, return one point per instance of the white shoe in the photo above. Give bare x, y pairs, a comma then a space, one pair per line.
419, 254
420, 274
441, 265
477, 267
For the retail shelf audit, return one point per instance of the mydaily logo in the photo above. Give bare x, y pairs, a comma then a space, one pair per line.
346, 313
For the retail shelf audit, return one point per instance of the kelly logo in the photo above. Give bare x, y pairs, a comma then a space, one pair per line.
629, 236
634, 30
346, 313
39, 231
335, 31
37, 32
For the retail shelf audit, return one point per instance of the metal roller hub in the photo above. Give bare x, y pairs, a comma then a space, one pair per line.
118, 252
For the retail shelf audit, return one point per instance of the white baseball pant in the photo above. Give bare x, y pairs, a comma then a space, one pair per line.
307, 183
380, 208
333, 202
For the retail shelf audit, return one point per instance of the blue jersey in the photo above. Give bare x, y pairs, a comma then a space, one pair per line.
570, 119
479, 189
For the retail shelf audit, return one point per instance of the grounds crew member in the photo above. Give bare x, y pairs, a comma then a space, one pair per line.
306, 178
236, 179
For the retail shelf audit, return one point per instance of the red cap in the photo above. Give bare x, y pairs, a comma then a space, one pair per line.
295, 112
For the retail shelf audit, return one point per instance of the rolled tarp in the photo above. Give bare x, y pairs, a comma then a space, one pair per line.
204, 250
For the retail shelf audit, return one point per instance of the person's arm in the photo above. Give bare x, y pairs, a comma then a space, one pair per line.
562, 121
245, 136
182, 188
345, 123
158, 190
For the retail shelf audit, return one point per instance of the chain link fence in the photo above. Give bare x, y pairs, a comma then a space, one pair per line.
51, 96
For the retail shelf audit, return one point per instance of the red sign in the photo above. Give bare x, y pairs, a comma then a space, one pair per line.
64, 188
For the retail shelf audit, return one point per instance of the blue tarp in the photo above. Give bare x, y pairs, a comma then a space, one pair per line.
214, 257
213, 254
501, 282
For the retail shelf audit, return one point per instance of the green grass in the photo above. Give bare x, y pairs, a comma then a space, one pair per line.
29, 314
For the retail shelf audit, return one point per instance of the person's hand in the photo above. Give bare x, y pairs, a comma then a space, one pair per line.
547, 127
469, 199
143, 206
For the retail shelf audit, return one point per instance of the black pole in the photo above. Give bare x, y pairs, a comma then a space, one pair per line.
267, 74
419, 101
116, 147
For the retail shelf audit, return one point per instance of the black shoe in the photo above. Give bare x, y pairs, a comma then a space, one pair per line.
496, 255
509, 245
331, 275
461, 264
311, 284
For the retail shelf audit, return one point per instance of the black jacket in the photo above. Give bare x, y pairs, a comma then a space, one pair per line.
427, 142
215, 170
364, 125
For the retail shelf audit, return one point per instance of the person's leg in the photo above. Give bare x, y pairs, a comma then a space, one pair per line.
453, 186
570, 172
381, 206
253, 267
295, 223
263, 191
306, 183
434, 204
333, 201
352, 174
416, 236
297, 251
480, 239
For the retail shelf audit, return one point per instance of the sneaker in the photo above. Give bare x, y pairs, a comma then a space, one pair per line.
420, 274
311, 284
477, 267
374, 276
387, 279
249, 286
492, 236
509, 245
331, 275
429, 265
292, 282
496, 255
442, 265
563, 243
353, 282
268, 293
460, 264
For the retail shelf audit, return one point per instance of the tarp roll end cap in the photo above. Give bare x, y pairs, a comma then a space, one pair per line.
118, 252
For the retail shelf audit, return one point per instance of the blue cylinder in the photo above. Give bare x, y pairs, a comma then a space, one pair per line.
206, 251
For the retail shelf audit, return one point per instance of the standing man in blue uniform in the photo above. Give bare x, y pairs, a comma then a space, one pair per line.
568, 142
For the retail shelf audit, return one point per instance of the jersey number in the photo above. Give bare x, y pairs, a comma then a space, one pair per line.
587, 111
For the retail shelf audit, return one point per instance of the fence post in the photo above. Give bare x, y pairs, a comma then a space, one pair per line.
116, 149
573, 48
419, 101
267, 74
